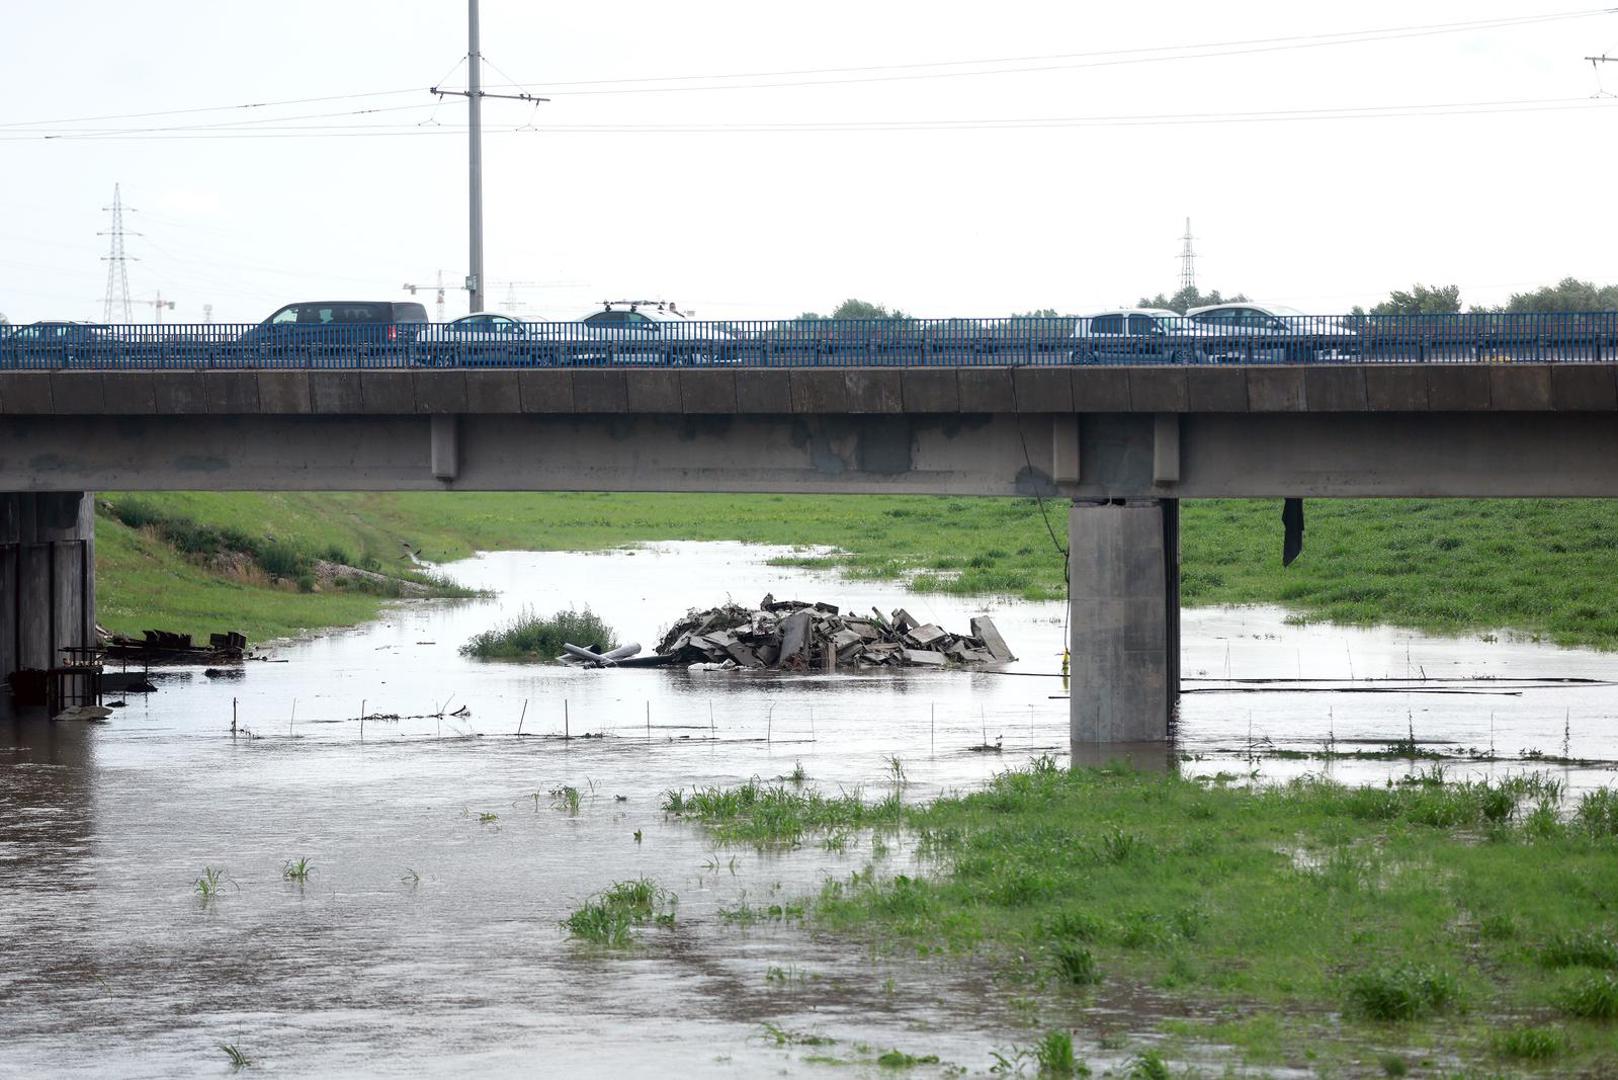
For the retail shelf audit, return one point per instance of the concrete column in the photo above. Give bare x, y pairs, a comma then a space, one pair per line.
1124, 576
47, 577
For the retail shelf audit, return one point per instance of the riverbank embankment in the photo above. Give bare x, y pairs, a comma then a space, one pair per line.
1535, 567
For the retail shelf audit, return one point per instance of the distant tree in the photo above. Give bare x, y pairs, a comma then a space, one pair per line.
1420, 300
1042, 313
855, 309
863, 309
1569, 294
1188, 298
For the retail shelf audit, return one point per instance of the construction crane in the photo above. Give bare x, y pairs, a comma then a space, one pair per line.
438, 301
157, 304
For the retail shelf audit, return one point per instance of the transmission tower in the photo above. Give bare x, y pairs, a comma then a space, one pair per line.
117, 262
1188, 259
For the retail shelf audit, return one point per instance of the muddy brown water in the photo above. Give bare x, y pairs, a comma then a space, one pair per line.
426, 940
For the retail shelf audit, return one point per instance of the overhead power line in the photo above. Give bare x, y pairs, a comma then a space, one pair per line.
1055, 61
1105, 57
1343, 113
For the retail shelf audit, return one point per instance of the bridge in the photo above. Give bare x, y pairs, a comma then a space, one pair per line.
1118, 434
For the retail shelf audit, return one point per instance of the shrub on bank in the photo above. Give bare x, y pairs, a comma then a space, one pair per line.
531, 637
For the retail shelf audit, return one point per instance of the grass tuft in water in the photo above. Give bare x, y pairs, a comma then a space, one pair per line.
533, 637
210, 883
1401, 992
238, 1060
776, 815
1591, 997
607, 918
566, 799
1148, 1065
297, 871
1583, 948
1077, 965
898, 1059
781, 1036
1529, 1043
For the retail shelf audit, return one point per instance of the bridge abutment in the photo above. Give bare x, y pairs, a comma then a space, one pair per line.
1124, 633
47, 577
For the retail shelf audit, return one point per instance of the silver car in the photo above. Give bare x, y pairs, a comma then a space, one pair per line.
1136, 336
1274, 333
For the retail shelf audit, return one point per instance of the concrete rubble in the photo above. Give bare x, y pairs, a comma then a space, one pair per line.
795, 635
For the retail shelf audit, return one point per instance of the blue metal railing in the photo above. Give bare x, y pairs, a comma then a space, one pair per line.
1111, 339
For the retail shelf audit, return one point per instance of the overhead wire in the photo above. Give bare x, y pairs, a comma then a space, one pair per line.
1071, 61
1147, 54
268, 129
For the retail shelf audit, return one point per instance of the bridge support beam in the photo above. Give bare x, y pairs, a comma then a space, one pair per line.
47, 577
1124, 575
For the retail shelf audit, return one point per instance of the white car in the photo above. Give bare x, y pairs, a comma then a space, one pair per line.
1275, 333
1136, 336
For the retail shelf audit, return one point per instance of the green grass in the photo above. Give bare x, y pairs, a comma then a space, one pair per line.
1540, 567
1425, 912
608, 918
199, 564
776, 815
297, 871
528, 636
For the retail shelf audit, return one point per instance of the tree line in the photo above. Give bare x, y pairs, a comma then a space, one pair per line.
1569, 294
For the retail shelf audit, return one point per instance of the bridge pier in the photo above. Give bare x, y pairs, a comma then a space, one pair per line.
1124, 634
47, 577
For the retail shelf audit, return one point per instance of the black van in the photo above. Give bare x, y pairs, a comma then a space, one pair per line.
342, 324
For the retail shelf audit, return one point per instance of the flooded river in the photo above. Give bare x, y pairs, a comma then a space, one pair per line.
426, 939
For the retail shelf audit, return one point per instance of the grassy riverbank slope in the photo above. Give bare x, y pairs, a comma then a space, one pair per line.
1415, 928
1539, 567
163, 563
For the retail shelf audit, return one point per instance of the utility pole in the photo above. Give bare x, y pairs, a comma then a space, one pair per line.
474, 161
474, 94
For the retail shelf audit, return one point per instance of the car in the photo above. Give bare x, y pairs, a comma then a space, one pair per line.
483, 337
1137, 336
648, 332
312, 328
58, 344
1274, 333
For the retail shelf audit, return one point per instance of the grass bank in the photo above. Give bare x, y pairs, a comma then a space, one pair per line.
160, 567
1540, 567
1308, 925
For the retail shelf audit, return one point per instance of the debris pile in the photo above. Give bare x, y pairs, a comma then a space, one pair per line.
794, 635
165, 647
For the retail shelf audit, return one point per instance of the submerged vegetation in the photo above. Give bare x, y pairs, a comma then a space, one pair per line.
534, 637
607, 918
1430, 904
1538, 566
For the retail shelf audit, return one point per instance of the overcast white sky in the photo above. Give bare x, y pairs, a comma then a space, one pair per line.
1318, 213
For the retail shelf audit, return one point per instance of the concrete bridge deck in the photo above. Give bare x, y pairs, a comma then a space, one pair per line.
1059, 431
